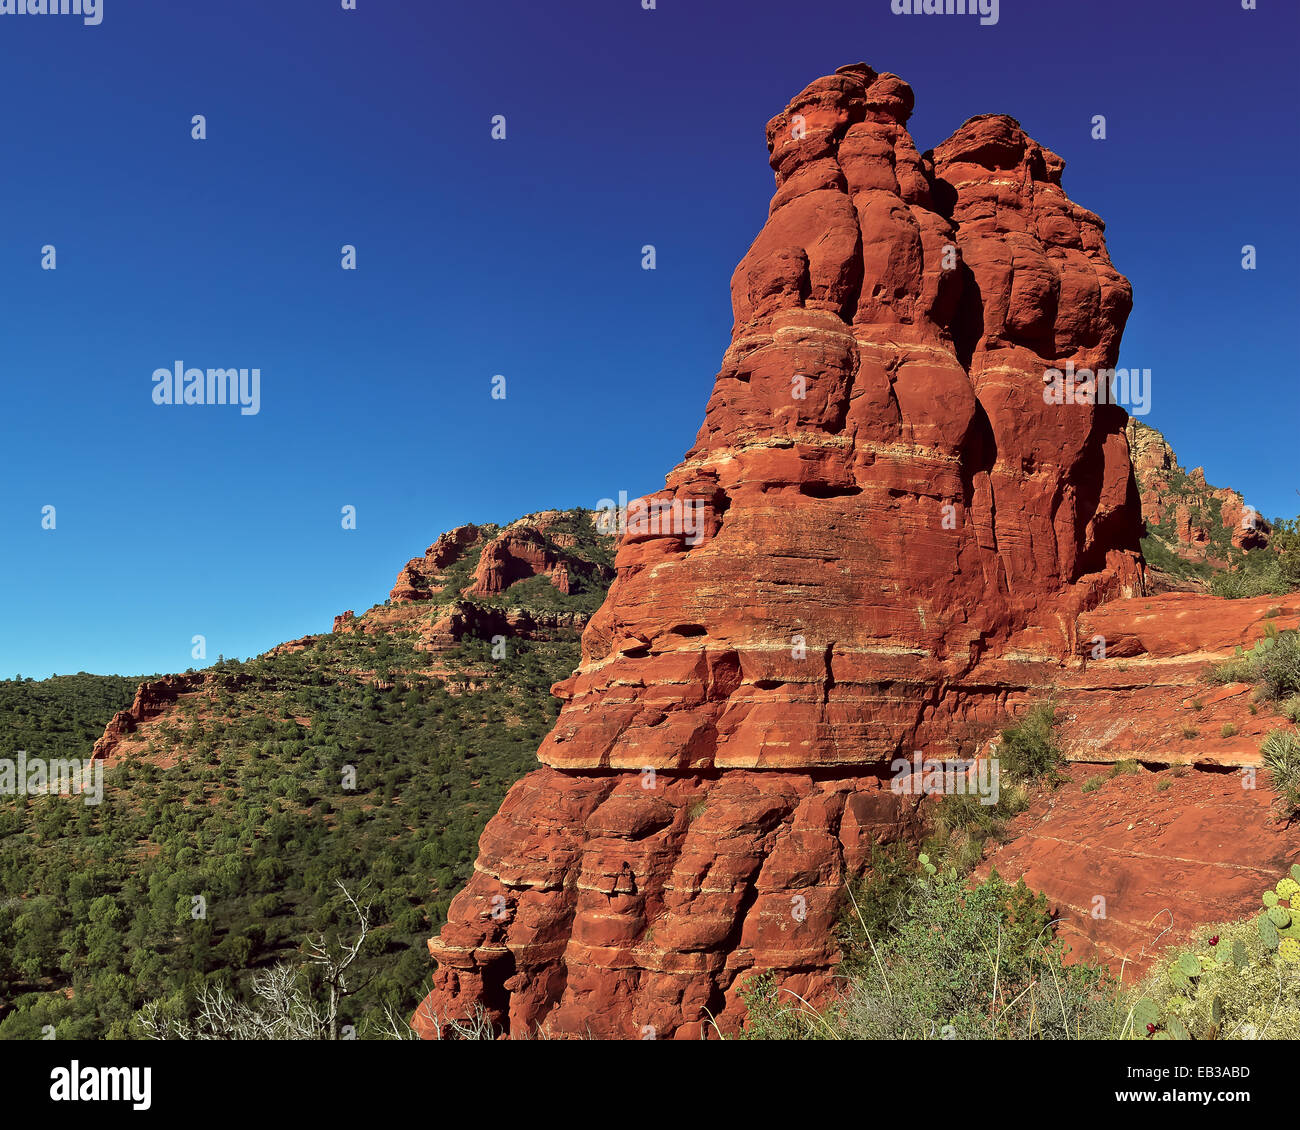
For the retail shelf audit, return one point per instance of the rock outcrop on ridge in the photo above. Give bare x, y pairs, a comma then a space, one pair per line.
1193, 520
882, 535
463, 587
152, 699
535, 545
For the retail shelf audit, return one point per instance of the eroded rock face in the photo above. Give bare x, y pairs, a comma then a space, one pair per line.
893, 533
513, 556
1177, 826
529, 547
422, 577
152, 698
1197, 521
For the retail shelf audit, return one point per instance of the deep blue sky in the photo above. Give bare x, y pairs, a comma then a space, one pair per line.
522, 257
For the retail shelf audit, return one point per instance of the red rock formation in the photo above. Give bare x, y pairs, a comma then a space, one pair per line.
1186, 505
465, 618
152, 698
881, 532
1167, 850
421, 577
514, 555
526, 548
1167, 853
289, 647
560, 577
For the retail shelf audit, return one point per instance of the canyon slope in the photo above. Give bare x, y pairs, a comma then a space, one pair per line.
894, 538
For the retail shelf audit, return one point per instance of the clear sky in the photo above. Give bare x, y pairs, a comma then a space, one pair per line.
522, 258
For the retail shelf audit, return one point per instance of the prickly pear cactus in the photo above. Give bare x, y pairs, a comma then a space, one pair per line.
1190, 1007
1268, 933
1146, 1015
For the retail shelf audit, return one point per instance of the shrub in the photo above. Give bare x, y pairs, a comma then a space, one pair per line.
880, 896
1279, 669
1273, 663
1281, 753
962, 826
1029, 750
1259, 573
1289, 568
970, 963
1227, 730
1240, 670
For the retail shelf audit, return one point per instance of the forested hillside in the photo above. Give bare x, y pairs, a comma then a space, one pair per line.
367, 756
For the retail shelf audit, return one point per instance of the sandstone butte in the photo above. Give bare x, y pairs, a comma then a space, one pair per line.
910, 553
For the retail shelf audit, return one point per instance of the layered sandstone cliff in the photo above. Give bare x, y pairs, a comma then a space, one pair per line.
891, 533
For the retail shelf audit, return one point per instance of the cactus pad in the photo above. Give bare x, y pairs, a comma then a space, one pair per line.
1268, 934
